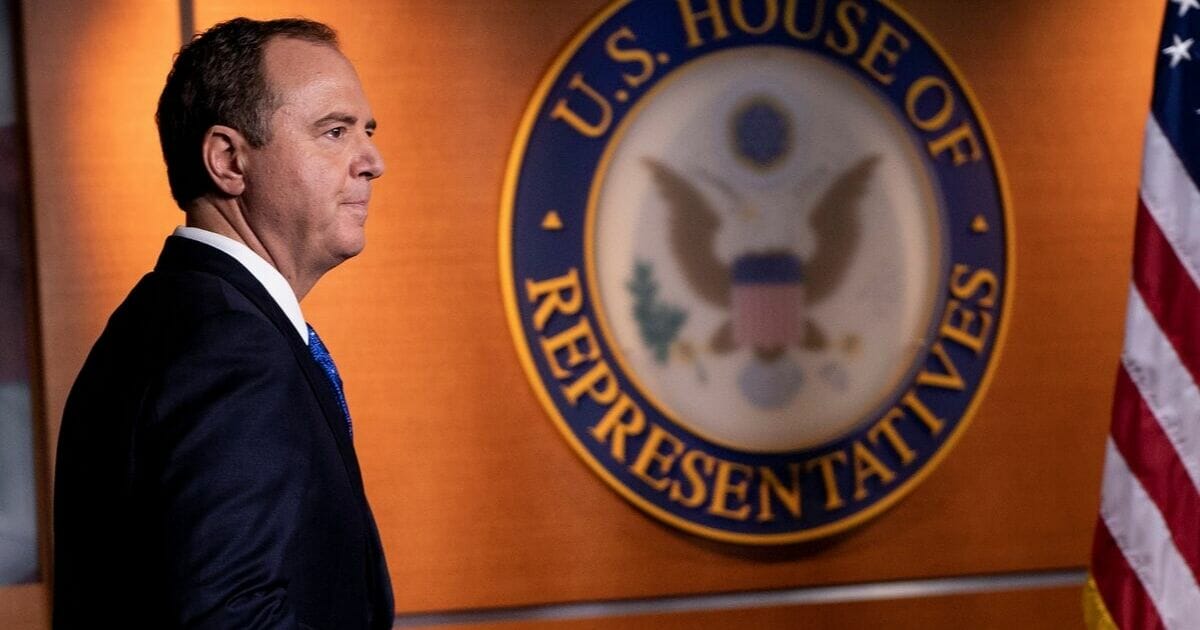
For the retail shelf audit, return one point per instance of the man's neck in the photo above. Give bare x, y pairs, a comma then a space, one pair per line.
225, 217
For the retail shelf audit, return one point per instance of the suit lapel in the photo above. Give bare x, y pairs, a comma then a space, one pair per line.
181, 254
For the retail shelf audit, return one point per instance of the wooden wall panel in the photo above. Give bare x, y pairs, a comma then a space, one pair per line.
101, 207
1050, 609
480, 501
101, 203
24, 607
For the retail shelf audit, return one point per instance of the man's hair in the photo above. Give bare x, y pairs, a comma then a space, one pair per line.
218, 79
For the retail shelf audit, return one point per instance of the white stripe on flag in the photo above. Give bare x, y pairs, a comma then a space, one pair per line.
1139, 530
1164, 383
1171, 197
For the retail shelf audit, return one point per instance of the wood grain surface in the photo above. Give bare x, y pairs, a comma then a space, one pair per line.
1050, 609
479, 500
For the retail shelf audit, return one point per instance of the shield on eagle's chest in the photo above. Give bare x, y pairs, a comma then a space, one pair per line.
767, 300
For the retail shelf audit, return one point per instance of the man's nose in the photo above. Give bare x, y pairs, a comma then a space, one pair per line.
370, 161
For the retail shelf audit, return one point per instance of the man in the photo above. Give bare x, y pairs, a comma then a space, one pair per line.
206, 476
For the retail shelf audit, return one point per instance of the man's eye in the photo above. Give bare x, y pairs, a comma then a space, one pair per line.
336, 132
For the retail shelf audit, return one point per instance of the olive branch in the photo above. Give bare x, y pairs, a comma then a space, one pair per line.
659, 323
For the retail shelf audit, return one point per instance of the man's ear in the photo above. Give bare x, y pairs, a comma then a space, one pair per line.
224, 151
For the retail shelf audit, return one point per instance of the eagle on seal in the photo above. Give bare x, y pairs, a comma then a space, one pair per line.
765, 287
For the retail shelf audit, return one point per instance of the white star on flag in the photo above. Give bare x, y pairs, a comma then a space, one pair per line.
1179, 50
1184, 5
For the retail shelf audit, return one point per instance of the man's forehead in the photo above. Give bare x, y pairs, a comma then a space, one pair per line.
289, 62
311, 80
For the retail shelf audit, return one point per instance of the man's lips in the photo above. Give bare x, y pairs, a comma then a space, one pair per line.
356, 208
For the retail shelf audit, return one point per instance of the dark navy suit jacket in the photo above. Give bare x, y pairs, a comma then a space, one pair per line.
205, 476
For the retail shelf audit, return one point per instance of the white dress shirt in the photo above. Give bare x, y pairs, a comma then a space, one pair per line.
267, 275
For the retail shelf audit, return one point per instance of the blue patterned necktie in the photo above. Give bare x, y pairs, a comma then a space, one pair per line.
321, 354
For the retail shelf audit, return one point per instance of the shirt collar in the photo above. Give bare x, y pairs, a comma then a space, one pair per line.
266, 274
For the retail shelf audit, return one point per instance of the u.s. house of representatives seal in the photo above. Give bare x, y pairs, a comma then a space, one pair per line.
756, 259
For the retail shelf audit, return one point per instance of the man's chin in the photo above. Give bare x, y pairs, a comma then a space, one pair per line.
356, 246
345, 249
350, 252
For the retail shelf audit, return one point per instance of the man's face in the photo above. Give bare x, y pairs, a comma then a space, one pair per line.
307, 188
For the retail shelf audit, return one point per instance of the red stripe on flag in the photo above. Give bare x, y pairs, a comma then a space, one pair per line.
1167, 289
1127, 602
1154, 461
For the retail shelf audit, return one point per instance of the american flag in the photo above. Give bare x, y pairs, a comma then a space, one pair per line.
1146, 550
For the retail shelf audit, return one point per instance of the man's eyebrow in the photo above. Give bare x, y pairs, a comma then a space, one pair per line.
348, 119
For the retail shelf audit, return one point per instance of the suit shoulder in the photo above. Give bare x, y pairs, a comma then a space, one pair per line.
168, 315
185, 296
